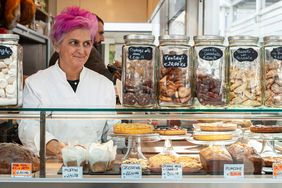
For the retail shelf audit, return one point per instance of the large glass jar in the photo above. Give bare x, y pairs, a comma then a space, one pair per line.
175, 71
138, 76
10, 70
244, 72
272, 67
210, 74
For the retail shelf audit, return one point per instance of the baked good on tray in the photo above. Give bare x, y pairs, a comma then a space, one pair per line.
15, 153
266, 128
268, 161
218, 126
74, 155
171, 131
189, 164
156, 161
247, 155
213, 159
142, 162
133, 128
206, 136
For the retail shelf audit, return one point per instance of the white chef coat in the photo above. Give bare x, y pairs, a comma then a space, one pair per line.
49, 88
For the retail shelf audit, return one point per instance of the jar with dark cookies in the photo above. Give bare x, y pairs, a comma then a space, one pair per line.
175, 71
272, 71
244, 72
138, 78
209, 71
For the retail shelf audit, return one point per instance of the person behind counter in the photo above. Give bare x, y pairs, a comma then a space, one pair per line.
68, 84
95, 61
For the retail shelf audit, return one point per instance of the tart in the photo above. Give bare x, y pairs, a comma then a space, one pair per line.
266, 129
171, 131
219, 126
133, 128
212, 137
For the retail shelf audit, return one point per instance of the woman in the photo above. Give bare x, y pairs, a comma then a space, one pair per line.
68, 84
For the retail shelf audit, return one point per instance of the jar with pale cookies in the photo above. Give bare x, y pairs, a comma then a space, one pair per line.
272, 71
174, 71
245, 75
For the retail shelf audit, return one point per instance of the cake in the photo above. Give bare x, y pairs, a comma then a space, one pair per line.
244, 154
202, 136
218, 126
133, 128
213, 159
156, 161
171, 131
189, 164
268, 161
14, 153
74, 155
142, 162
266, 129
101, 156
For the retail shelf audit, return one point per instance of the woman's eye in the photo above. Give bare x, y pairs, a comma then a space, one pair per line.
74, 43
87, 44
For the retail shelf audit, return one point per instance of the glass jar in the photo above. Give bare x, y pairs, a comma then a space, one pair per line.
244, 72
138, 76
175, 71
272, 71
209, 70
10, 70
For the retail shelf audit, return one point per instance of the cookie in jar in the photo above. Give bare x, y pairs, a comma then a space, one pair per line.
272, 71
209, 69
138, 78
175, 71
244, 72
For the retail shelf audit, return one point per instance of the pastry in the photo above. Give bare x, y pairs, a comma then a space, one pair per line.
142, 162
218, 126
212, 136
171, 131
213, 159
14, 153
156, 162
189, 164
133, 128
244, 154
268, 161
266, 129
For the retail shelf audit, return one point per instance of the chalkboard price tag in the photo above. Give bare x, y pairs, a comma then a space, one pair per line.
210, 53
245, 54
276, 53
175, 60
5, 52
140, 53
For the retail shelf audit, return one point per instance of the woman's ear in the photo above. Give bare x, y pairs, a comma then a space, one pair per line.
56, 47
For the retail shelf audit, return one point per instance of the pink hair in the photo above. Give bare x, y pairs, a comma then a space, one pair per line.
73, 18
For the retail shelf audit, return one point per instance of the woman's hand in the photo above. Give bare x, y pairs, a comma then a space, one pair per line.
55, 147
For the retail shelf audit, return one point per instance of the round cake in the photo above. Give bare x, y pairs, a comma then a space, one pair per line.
133, 128
171, 131
212, 137
217, 126
266, 129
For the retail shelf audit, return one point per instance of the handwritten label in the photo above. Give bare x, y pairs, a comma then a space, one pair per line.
21, 170
5, 52
73, 172
175, 60
131, 171
140, 53
233, 170
277, 170
172, 171
276, 53
245, 54
210, 53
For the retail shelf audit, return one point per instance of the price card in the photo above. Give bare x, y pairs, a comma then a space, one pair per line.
21, 170
172, 171
73, 172
277, 170
131, 171
233, 170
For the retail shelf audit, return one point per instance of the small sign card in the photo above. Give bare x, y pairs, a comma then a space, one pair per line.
277, 170
21, 170
73, 172
172, 171
233, 170
131, 171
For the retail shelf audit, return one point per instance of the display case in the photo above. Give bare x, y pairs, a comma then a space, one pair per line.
49, 175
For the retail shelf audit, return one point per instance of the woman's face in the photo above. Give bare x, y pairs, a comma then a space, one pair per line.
74, 49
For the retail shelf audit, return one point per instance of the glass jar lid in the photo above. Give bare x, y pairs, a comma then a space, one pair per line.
174, 38
9, 37
245, 39
208, 38
139, 37
272, 39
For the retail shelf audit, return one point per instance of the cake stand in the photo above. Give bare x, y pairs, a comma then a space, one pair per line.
134, 144
168, 148
213, 142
